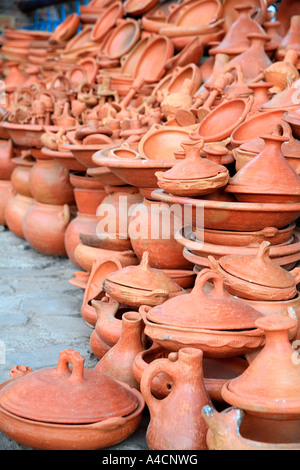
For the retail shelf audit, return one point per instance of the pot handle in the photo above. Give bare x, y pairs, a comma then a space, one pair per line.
222, 426
66, 215
73, 357
204, 276
296, 274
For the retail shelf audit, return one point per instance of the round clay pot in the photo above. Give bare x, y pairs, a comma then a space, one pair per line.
20, 177
15, 211
44, 227
6, 193
7, 165
49, 183
82, 224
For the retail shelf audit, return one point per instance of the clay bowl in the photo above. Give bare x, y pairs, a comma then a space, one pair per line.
233, 429
259, 124
182, 277
135, 172
106, 21
81, 39
222, 120
216, 372
83, 153
116, 244
213, 343
233, 216
136, 8
106, 176
229, 238
51, 436
66, 29
122, 39
160, 142
66, 159
86, 255
27, 135
279, 254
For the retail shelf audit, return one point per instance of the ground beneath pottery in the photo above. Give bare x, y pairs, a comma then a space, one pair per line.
40, 316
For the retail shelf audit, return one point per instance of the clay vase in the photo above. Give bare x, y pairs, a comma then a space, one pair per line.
164, 252
6, 192
278, 72
254, 60
118, 361
7, 165
44, 227
49, 183
15, 211
176, 422
82, 224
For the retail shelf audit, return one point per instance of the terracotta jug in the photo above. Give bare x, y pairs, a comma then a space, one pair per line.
118, 361
176, 421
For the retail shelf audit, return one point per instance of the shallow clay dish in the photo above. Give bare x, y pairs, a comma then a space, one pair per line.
160, 142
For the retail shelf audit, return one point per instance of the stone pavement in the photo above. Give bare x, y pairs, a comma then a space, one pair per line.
40, 316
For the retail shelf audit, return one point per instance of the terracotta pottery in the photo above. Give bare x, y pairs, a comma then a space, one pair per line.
66, 159
15, 77
278, 72
175, 422
257, 277
232, 112
286, 99
80, 39
194, 175
216, 372
122, 39
84, 153
209, 321
261, 96
230, 13
268, 177
7, 165
255, 389
129, 61
236, 216
132, 7
15, 211
225, 432
82, 224
44, 227
24, 135
31, 422
88, 191
292, 118
254, 60
108, 326
291, 39
6, 192
49, 183
86, 255
160, 142
20, 175
272, 29
138, 285
286, 10
236, 40
118, 361
106, 21
67, 29
163, 248
192, 53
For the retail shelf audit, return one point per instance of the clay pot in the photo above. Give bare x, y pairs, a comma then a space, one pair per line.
160, 142
6, 192
122, 39
88, 191
82, 224
106, 21
49, 183
33, 423
44, 227
20, 176
15, 211
194, 175
204, 324
15, 77
118, 361
7, 165
24, 135
254, 391
271, 281
257, 181
108, 326
291, 39
278, 72
86, 255
226, 432
134, 9
165, 253
141, 285
175, 423
286, 99
67, 29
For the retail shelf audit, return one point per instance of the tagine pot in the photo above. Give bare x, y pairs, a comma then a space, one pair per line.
165, 253
6, 192
118, 361
15, 210
176, 421
49, 183
44, 227
69, 408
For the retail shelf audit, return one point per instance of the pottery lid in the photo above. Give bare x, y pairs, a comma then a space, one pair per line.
216, 310
271, 383
144, 277
67, 395
193, 166
259, 269
268, 172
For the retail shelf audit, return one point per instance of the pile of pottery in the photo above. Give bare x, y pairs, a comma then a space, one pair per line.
157, 147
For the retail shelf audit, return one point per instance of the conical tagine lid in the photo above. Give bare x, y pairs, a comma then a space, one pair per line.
193, 166
268, 172
271, 383
144, 277
259, 269
215, 311
67, 395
